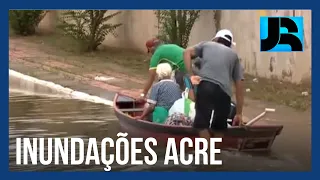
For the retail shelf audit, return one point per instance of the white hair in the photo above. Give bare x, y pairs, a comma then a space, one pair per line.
164, 70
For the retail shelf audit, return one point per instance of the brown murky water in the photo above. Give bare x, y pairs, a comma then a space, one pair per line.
35, 116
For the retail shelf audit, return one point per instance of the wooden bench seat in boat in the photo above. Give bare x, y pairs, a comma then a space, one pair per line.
132, 110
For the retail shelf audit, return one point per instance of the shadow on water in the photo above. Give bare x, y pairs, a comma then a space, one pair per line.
35, 116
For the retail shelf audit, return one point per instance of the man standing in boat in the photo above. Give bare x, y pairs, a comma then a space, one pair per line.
219, 66
169, 53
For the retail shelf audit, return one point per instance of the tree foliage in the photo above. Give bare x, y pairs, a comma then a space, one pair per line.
24, 22
88, 26
217, 19
175, 25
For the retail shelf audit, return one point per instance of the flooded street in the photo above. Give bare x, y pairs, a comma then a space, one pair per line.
35, 116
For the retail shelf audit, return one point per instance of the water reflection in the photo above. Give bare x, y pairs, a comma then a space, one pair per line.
35, 116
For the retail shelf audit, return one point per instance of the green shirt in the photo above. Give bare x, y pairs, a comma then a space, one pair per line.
171, 53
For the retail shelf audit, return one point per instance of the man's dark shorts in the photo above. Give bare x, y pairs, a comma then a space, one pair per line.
210, 97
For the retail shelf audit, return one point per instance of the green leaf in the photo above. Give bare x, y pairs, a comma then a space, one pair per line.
24, 22
88, 26
175, 25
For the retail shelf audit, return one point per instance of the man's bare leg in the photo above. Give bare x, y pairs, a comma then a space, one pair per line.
207, 135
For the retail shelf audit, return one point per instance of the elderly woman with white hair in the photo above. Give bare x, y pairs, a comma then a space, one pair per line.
163, 95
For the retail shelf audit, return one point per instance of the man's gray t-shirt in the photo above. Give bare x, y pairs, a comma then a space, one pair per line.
219, 65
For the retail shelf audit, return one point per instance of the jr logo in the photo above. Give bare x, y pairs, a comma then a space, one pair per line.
281, 34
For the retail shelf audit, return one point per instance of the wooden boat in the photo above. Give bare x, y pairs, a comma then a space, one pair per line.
241, 138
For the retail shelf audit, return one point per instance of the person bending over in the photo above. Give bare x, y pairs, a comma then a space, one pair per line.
168, 53
220, 66
163, 95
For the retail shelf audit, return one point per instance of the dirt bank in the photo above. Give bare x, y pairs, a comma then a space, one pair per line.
61, 54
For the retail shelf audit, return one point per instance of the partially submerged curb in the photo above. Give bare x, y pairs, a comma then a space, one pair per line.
37, 85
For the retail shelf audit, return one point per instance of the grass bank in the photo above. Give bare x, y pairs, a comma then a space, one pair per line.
135, 65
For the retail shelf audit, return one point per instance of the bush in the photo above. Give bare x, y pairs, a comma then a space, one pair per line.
175, 25
24, 22
90, 27
217, 19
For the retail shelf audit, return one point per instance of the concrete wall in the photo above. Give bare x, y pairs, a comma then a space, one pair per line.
140, 25
289, 66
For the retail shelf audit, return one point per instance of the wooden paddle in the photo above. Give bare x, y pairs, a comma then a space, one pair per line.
257, 118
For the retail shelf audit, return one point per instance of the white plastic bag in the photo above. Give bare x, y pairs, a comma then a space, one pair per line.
179, 106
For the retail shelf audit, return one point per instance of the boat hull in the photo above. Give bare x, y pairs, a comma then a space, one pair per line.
251, 138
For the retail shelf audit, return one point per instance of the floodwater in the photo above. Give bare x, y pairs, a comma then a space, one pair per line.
39, 116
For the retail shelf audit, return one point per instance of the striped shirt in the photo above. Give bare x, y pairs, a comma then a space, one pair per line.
164, 93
